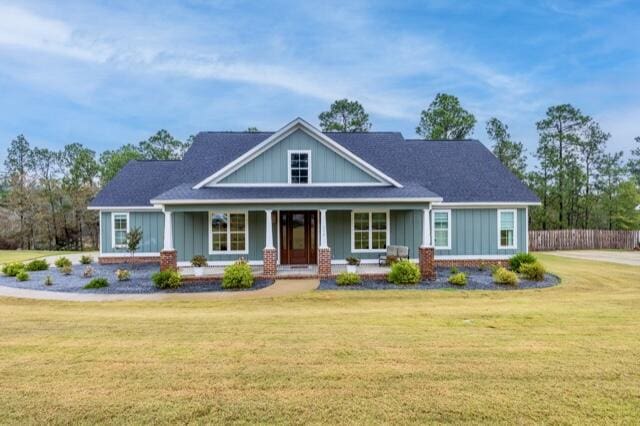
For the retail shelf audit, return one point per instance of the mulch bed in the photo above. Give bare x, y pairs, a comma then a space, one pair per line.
139, 283
476, 280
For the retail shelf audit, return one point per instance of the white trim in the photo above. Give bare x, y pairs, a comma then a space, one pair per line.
323, 229
515, 229
288, 185
473, 257
125, 208
298, 200
309, 174
278, 236
125, 254
113, 228
433, 228
100, 233
504, 204
297, 124
364, 261
221, 263
246, 232
526, 229
388, 230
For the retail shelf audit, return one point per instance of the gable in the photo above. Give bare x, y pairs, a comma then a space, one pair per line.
327, 166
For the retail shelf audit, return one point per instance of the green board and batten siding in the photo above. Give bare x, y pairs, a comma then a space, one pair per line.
474, 232
272, 165
151, 224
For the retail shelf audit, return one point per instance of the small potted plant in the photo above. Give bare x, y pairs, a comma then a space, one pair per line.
352, 264
198, 262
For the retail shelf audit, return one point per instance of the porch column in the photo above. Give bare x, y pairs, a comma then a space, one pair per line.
324, 251
426, 251
168, 255
426, 227
269, 253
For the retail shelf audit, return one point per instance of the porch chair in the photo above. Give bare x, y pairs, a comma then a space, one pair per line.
399, 252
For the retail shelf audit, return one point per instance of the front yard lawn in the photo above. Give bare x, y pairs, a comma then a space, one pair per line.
566, 354
8, 256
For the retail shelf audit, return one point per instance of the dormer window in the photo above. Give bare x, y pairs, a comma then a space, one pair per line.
299, 167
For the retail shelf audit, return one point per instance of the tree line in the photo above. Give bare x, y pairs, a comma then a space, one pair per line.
44, 193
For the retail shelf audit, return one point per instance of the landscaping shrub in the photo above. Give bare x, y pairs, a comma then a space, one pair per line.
518, 259
62, 262
199, 261
169, 278
458, 279
391, 260
123, 275
348, 278
97, 283
37, 265
88, 272
66, 270
48, 280
453, 270
482, 266
533, 271
504, 276
238, 275
12, 269
404, 272
22, 275
86, 260
351, 260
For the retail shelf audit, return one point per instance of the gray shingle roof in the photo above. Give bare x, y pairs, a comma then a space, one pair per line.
458, 171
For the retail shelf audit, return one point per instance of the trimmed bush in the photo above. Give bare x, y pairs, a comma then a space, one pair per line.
504, 276
348, 278
48, 281
22, 276
61, 262
123, 275
238, 275
199, 261
453, 270
88, 272
86, 260
169, 278
458, 279
518, 259
12, 269
404, 272
66, 270
353, 261
37, 265
97, 283
533, 271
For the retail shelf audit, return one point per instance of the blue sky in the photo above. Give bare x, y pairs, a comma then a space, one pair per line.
107, 73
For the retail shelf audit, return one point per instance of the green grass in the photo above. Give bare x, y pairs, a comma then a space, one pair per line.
567, 354
8, 256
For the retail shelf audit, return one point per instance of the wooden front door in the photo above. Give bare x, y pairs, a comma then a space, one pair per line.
298, 237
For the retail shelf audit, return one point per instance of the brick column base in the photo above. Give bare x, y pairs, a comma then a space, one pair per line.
168, 260
324, 261
269, 261
427, 263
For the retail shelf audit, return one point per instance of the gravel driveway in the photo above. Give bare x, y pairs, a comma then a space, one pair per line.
614, 256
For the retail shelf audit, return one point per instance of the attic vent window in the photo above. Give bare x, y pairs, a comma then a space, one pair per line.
299, 167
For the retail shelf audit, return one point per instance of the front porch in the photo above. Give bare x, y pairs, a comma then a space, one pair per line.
295, 240
372, 271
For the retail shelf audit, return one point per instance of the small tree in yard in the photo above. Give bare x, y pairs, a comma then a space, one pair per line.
134, 237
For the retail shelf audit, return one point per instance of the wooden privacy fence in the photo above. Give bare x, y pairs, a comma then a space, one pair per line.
576, 239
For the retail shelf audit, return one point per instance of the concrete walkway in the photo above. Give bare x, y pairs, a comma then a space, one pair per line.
614, 256
277, 289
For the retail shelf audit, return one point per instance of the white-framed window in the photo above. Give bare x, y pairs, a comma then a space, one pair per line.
441, 225
228, 232
299, 167
119, 229
369, 231
507, 229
